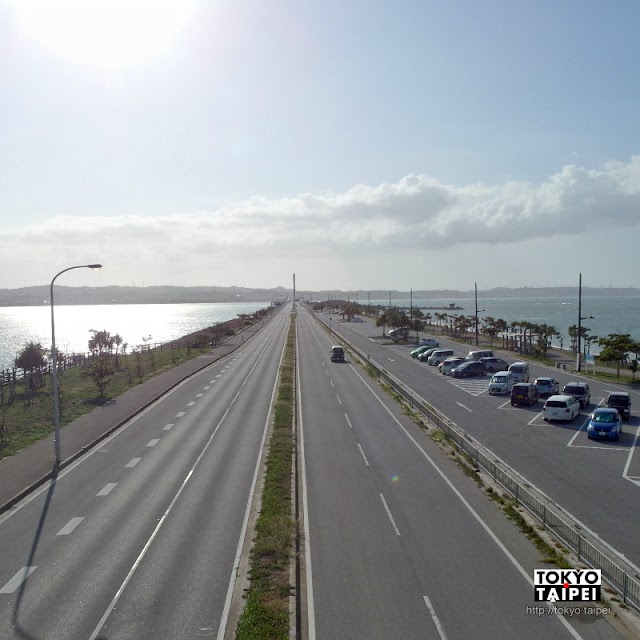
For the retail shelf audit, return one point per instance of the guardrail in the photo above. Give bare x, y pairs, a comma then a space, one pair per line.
618, 573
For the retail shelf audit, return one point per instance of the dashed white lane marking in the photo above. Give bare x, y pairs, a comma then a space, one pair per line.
107, 489
199, 395
386, 508
132, 463
180, 414
15, 582
207, 387
70, 526
348, 421
362, 453
337, 396
168, 427
434, 617
153, 443
190, 404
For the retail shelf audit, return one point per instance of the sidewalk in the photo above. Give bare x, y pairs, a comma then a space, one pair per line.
23, 472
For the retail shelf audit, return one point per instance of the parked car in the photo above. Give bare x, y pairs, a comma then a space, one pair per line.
501, 382
416, 352
469, 368
547, 386
337, 354
605, 422
495, 364
520, 371
560, 407
477, 354
424, 356
579, 390
450, 363
621, 401
524, 393
438, 356
428, 342
357, 320
401, 333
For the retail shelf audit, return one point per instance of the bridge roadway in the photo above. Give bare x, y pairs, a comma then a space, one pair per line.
398, 543
595, 481
139, 538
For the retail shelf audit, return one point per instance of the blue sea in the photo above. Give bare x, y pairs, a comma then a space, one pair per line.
137, 324
611, 314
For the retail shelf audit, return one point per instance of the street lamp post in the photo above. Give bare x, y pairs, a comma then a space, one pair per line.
54, 364
580, 319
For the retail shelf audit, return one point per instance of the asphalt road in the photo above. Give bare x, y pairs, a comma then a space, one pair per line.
597, 482
398, 543
140, 538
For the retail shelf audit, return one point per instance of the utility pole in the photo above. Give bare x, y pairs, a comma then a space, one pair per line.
294, 289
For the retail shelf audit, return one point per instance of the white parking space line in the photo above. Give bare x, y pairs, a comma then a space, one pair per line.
107, 489
168, 427
15, 582
153, 443
625, 473
533, 420
436, 620
577, 433
69, 527
386, 508
132, 463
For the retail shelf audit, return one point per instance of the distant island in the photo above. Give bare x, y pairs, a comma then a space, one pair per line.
39, 295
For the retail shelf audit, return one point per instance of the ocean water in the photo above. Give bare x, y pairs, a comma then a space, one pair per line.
136, 323
611, 314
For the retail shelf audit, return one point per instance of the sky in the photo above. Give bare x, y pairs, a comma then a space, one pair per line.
360, 145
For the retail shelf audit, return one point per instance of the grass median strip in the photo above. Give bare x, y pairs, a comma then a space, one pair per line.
266, 611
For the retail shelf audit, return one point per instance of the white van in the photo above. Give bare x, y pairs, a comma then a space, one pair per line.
439, 356
501, 382
476, 355
520, 371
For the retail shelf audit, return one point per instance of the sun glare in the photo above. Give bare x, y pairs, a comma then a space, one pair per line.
110, 34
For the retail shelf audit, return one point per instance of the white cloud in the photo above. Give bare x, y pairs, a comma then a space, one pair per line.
416, 212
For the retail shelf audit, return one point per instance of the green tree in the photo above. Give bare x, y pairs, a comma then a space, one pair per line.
382, 321
544, 335
31, 360
616, 348
101, 365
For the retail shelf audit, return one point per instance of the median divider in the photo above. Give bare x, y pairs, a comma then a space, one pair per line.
621, 575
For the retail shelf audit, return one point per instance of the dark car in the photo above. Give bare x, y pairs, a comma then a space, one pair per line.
468, 369
495, 364
524, 393
337, 354
580, 391
424, 356
621, 401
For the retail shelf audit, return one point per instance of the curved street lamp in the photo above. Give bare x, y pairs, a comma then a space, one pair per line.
54, 364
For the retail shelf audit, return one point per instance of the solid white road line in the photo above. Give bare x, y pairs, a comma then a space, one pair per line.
69, 527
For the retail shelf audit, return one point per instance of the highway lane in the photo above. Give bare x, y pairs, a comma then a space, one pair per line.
597, 482
140, 538
399, 543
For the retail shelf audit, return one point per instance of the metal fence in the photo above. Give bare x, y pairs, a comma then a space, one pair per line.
588, 549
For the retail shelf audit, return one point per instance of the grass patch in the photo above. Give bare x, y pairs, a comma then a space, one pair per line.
266, 611
24, 420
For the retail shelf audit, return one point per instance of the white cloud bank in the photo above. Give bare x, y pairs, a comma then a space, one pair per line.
416, 212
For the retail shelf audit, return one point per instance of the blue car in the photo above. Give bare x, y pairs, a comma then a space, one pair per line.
604, 423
